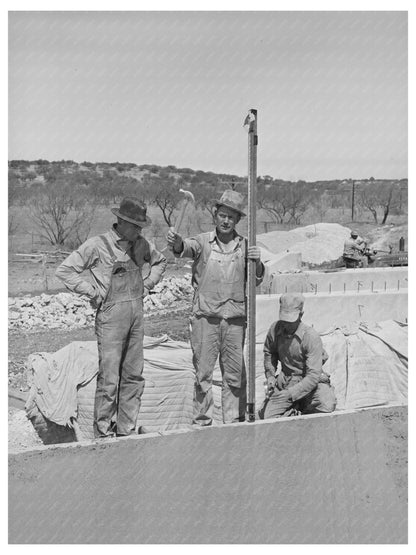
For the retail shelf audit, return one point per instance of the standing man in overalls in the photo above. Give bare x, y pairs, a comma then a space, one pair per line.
218, 320
115, 271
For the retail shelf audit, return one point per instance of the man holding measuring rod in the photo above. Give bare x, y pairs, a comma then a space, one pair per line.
218, 321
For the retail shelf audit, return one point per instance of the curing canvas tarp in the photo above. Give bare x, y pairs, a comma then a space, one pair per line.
367, 364
63, 385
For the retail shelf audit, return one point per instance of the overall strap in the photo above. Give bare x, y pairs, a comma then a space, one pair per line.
110, 249
204, 257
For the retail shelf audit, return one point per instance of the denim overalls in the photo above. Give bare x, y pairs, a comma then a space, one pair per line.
119, 329
218, 330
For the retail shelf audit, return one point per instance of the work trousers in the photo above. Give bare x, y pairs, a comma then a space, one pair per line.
320, 399
212, 337
119, 329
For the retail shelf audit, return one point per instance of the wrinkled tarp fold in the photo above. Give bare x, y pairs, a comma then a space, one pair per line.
367, 363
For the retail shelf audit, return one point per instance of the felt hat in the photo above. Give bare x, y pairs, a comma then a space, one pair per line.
231, 199
132, 210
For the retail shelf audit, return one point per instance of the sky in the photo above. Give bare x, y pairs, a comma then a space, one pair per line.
175, 87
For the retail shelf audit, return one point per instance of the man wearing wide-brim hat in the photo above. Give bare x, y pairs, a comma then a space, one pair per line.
218, 320
122, 267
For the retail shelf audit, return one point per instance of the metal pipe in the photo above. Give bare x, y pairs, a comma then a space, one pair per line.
251, 121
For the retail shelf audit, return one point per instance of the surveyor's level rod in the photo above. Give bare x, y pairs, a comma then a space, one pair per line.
251, 282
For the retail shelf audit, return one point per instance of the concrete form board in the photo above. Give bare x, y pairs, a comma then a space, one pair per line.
325, 311
282, 262
315, 479
365, 279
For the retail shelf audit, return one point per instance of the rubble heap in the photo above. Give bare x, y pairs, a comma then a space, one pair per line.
70, 311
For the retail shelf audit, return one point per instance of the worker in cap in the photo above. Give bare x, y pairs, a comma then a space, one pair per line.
298, 383
123, 267
218, 321
354, 249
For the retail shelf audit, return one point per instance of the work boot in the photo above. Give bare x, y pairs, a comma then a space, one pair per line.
142, 430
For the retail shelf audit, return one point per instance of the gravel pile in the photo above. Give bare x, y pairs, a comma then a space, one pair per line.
22, 435
70, 311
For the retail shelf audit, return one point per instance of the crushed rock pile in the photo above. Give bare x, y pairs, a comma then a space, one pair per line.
21, 433
317, 243
70, 311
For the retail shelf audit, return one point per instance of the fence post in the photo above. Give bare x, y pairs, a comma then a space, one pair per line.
45, 274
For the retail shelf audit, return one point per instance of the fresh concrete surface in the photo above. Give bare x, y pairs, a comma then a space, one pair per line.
354, 280
325, 311
311, 479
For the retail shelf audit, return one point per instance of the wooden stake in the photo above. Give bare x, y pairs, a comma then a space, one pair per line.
45, 272
251, 121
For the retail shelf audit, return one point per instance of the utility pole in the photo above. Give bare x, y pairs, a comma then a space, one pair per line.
251, 122
352, 200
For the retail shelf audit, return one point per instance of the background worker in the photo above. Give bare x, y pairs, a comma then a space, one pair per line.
122, 267
218, 320
354, 248
301, 384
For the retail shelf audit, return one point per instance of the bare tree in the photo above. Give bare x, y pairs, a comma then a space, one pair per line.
164, 193
380, 197
272, 200
322, 203
62, 216
298, 198
204, 196
283, 200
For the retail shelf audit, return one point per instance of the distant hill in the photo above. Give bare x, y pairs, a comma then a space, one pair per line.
108, 182
39, 171
25, 172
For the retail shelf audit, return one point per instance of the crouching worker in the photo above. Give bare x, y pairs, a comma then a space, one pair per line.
218, 319
122, 267
301, 385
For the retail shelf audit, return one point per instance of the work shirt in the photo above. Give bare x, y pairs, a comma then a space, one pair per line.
218, 274
98, 255
354, 247
301, 356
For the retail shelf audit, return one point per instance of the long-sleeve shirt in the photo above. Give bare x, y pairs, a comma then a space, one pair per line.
301, 356
225, 303
96, 257
354, 247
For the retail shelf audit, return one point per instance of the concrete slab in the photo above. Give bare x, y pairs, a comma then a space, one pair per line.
355, 280
324, 311
281, 262
315, 479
